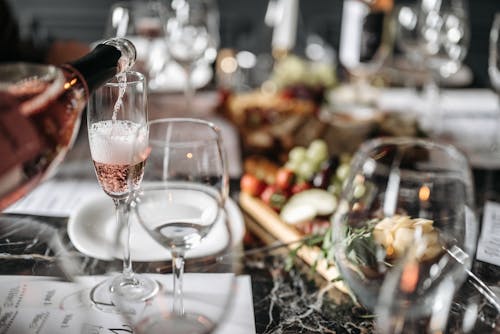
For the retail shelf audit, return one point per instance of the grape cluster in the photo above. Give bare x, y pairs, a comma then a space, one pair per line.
305, 162
314, 166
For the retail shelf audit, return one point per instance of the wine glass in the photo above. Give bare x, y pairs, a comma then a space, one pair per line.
408, 39
494, 72
143, 23
180, 202
192, 34
115, 112
444, 40
366, 39
405, 199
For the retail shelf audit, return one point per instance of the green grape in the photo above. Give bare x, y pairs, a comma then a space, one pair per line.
317, 151
359, 190
306, 169
292, 165
297, 154
342, 171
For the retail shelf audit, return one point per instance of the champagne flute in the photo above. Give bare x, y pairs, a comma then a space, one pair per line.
192, 34
181, 199
405, 199
115, 112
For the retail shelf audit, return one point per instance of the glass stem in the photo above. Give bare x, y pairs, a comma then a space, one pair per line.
122, 219
496, 136
188, 87
178, 271
433, 105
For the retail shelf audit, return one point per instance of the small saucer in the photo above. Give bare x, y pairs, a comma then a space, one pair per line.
92, 229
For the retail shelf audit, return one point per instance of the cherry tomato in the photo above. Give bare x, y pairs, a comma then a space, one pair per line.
284, 178
301, 186
274, 197
252, 185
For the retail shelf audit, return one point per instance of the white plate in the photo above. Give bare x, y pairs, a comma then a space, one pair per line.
92, 227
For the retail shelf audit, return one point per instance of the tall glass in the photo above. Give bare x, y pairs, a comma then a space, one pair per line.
143, 22
115, 112
444, 41
181, 200
494, 74
365, 38
192, 34
408, 40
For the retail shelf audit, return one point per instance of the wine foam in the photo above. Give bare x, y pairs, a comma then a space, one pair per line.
112, 142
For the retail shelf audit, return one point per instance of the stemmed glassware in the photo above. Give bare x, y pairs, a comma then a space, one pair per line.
444, 40
142, 22
192, 34
366, 39
182, 200
407, 37
494, 74
406, 211
114, 114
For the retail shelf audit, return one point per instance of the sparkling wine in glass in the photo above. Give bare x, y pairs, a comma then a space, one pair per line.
182, 198
115, 113
408, 205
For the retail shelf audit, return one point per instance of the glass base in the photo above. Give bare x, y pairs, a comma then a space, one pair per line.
188, 323
138, 288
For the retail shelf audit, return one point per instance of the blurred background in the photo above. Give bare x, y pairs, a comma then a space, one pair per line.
241, 24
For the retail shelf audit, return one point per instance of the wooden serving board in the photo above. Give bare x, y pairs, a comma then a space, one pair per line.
271, 222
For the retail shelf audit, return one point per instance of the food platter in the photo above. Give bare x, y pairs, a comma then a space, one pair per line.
288, 234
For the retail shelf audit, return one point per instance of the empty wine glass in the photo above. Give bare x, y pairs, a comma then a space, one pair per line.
192, 34
180, 202
444, 41
405, 198
408, 39
494, 73
143, 23
115, 112
366, 39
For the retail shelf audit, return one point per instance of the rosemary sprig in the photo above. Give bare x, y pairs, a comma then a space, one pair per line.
359, 244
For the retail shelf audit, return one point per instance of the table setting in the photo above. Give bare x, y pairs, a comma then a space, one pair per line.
167, 184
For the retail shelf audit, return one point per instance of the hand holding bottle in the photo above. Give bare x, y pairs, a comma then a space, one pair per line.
40, 109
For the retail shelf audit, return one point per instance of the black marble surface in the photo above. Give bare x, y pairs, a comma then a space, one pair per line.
295, 301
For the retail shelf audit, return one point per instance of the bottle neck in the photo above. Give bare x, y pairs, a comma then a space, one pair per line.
98, 66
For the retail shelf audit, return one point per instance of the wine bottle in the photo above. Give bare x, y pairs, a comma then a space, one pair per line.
40, 111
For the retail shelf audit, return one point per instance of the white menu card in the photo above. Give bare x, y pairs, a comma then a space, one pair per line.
44, 305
